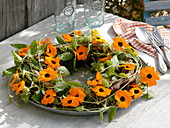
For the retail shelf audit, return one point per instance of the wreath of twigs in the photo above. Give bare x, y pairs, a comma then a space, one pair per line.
42, 73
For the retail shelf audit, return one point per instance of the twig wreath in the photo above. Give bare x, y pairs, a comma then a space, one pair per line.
40, 72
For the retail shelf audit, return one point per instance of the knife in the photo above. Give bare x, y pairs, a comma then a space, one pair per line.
163, 48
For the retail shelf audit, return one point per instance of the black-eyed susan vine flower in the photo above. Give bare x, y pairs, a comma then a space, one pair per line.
119, 44
48, 98
44, 73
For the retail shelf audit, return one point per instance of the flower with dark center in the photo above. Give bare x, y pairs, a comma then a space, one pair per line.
23, 51
81, 53
47, 74
70, 101
18, 87
119, 44
135, 92
78, 93
128, 66
68, 37
51, 50
52, 62
96, 81
149, 76
101, 91
48, 97
47, 40
124, 98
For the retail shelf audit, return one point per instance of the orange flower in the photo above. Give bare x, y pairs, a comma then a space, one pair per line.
95, 32
16, 78
47, 74
18, 87
136, 92
68, 37
96, 81
149, 76
97, 39
128, 66
119, 44
101, 91
52, 62
133, 86
77, 93
51, 50
23, 51
105, 58
81, 53
124, 98
47, 40
48, 97
70, 101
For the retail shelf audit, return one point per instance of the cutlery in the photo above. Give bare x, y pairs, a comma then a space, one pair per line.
145, 38
162, 46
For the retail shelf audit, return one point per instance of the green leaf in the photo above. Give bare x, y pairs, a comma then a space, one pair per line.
101, 116
37, 97
137, 79
41, 49
19, 46
111, 113
60, 86
106, 46
66, 56
33, 47
26, 67
9, 71
60, 39
17, 58
123, 75
148, 95
56, 102
25, 95
115, 61
105, 82
63, 71
74, 43
99, 66
74, 64
75, 84
80, 108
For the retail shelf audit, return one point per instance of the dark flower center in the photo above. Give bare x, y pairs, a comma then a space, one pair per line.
81, 53
136, 91
120, 44
101, 90
70, 101
127, 66
98, 38
77, 95
122, 98
97, 80
53, 62
149, 76
72, 34
49, 50
47, 75
47, 96
132, 49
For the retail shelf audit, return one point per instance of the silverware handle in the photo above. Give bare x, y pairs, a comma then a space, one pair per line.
167, 55
161, 64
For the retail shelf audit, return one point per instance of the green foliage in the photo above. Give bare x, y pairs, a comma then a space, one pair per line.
129, 9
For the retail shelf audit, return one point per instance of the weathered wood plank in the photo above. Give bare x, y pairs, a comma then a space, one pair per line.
162, 20
156, 5
38, 10
13, 17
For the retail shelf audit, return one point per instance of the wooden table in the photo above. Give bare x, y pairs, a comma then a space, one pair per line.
141, 114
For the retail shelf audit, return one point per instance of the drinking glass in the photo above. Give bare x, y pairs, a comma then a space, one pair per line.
64, 15
94, 11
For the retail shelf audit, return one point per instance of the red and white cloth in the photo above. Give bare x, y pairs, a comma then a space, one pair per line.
126, 29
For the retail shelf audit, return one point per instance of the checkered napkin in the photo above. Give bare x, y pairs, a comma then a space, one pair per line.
126, 29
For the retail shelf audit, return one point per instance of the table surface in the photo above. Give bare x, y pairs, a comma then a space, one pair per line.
141, 114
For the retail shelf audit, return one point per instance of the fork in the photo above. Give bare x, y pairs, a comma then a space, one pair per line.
162, 46
161, 64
